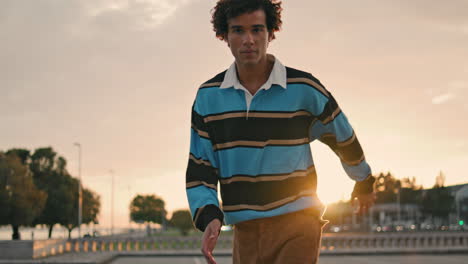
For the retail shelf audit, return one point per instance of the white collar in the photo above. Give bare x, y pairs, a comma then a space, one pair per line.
277, 76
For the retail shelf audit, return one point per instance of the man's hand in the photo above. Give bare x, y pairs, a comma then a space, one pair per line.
210, 237
365, 202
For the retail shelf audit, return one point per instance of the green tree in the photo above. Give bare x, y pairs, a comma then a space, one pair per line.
20, 201
387, 188
90, 209
410, 191
438, 202
91, 206
182, 220
148, 209
23, 154
51, 176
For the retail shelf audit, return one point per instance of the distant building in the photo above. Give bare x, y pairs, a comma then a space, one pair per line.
409, 216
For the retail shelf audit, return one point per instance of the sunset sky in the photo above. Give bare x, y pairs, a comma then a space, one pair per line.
120, 77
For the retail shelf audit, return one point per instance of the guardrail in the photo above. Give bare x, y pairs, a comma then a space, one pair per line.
387, 243
371, 243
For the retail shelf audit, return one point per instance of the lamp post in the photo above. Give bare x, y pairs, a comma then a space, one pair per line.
80, 201
112, 201
457, 205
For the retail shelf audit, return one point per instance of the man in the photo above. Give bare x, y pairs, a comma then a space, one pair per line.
251, 129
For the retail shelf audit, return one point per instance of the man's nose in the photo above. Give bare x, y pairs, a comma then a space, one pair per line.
248, 38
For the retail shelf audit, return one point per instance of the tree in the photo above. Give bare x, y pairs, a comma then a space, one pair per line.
438, 202
90, 209
440, 180
387, 187
410, 191
23, 154
51, 176
21, 202
147, 209
182, 220
91, 206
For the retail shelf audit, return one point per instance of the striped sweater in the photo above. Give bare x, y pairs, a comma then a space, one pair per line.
260, 155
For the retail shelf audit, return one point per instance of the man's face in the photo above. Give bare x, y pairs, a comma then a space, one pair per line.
248, 37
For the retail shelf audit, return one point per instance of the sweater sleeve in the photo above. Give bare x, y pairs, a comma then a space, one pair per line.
333, 129
202, 175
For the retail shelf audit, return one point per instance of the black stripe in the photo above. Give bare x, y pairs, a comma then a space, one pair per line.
254, 111
218, 78
228, 112
271, 174
259, 129
201, 172
197, 121
328, 110
272, 208
330, 141
265, 192
259, 147
295, 73
351, 152
208, 213
364, 187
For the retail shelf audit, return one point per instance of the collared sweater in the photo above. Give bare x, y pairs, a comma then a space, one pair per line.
259, 155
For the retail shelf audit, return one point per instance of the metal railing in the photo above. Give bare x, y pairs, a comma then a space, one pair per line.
406, 242
370, 243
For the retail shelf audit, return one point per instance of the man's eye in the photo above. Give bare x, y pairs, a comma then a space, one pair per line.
237, 30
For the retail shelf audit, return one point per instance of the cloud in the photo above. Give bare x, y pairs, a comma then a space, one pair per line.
149, 13
441, 99
458, 85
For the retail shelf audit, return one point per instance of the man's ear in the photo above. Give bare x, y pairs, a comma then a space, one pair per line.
271, 36
226, 40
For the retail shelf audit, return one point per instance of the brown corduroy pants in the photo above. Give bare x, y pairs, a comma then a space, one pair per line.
292, 238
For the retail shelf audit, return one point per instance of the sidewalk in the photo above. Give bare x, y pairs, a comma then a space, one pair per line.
108, 257
69, 258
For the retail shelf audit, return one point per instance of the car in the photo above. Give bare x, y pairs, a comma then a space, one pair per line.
335, 229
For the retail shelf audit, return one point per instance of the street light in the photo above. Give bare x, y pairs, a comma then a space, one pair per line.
80, 202
112, 202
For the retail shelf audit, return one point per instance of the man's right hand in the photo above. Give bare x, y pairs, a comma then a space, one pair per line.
210, 237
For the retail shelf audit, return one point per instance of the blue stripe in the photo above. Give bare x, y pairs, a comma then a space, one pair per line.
200, 196
216, 100
358, 172
340, 127
276, 99
268, 160
299, 204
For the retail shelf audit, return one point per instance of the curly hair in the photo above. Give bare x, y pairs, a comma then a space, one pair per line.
227, 9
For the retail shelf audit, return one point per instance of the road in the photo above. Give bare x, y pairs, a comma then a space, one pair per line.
410, 259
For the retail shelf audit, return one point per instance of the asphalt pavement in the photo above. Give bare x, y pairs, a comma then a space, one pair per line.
375, 259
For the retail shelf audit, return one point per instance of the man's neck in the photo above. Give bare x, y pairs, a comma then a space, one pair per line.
252, 77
